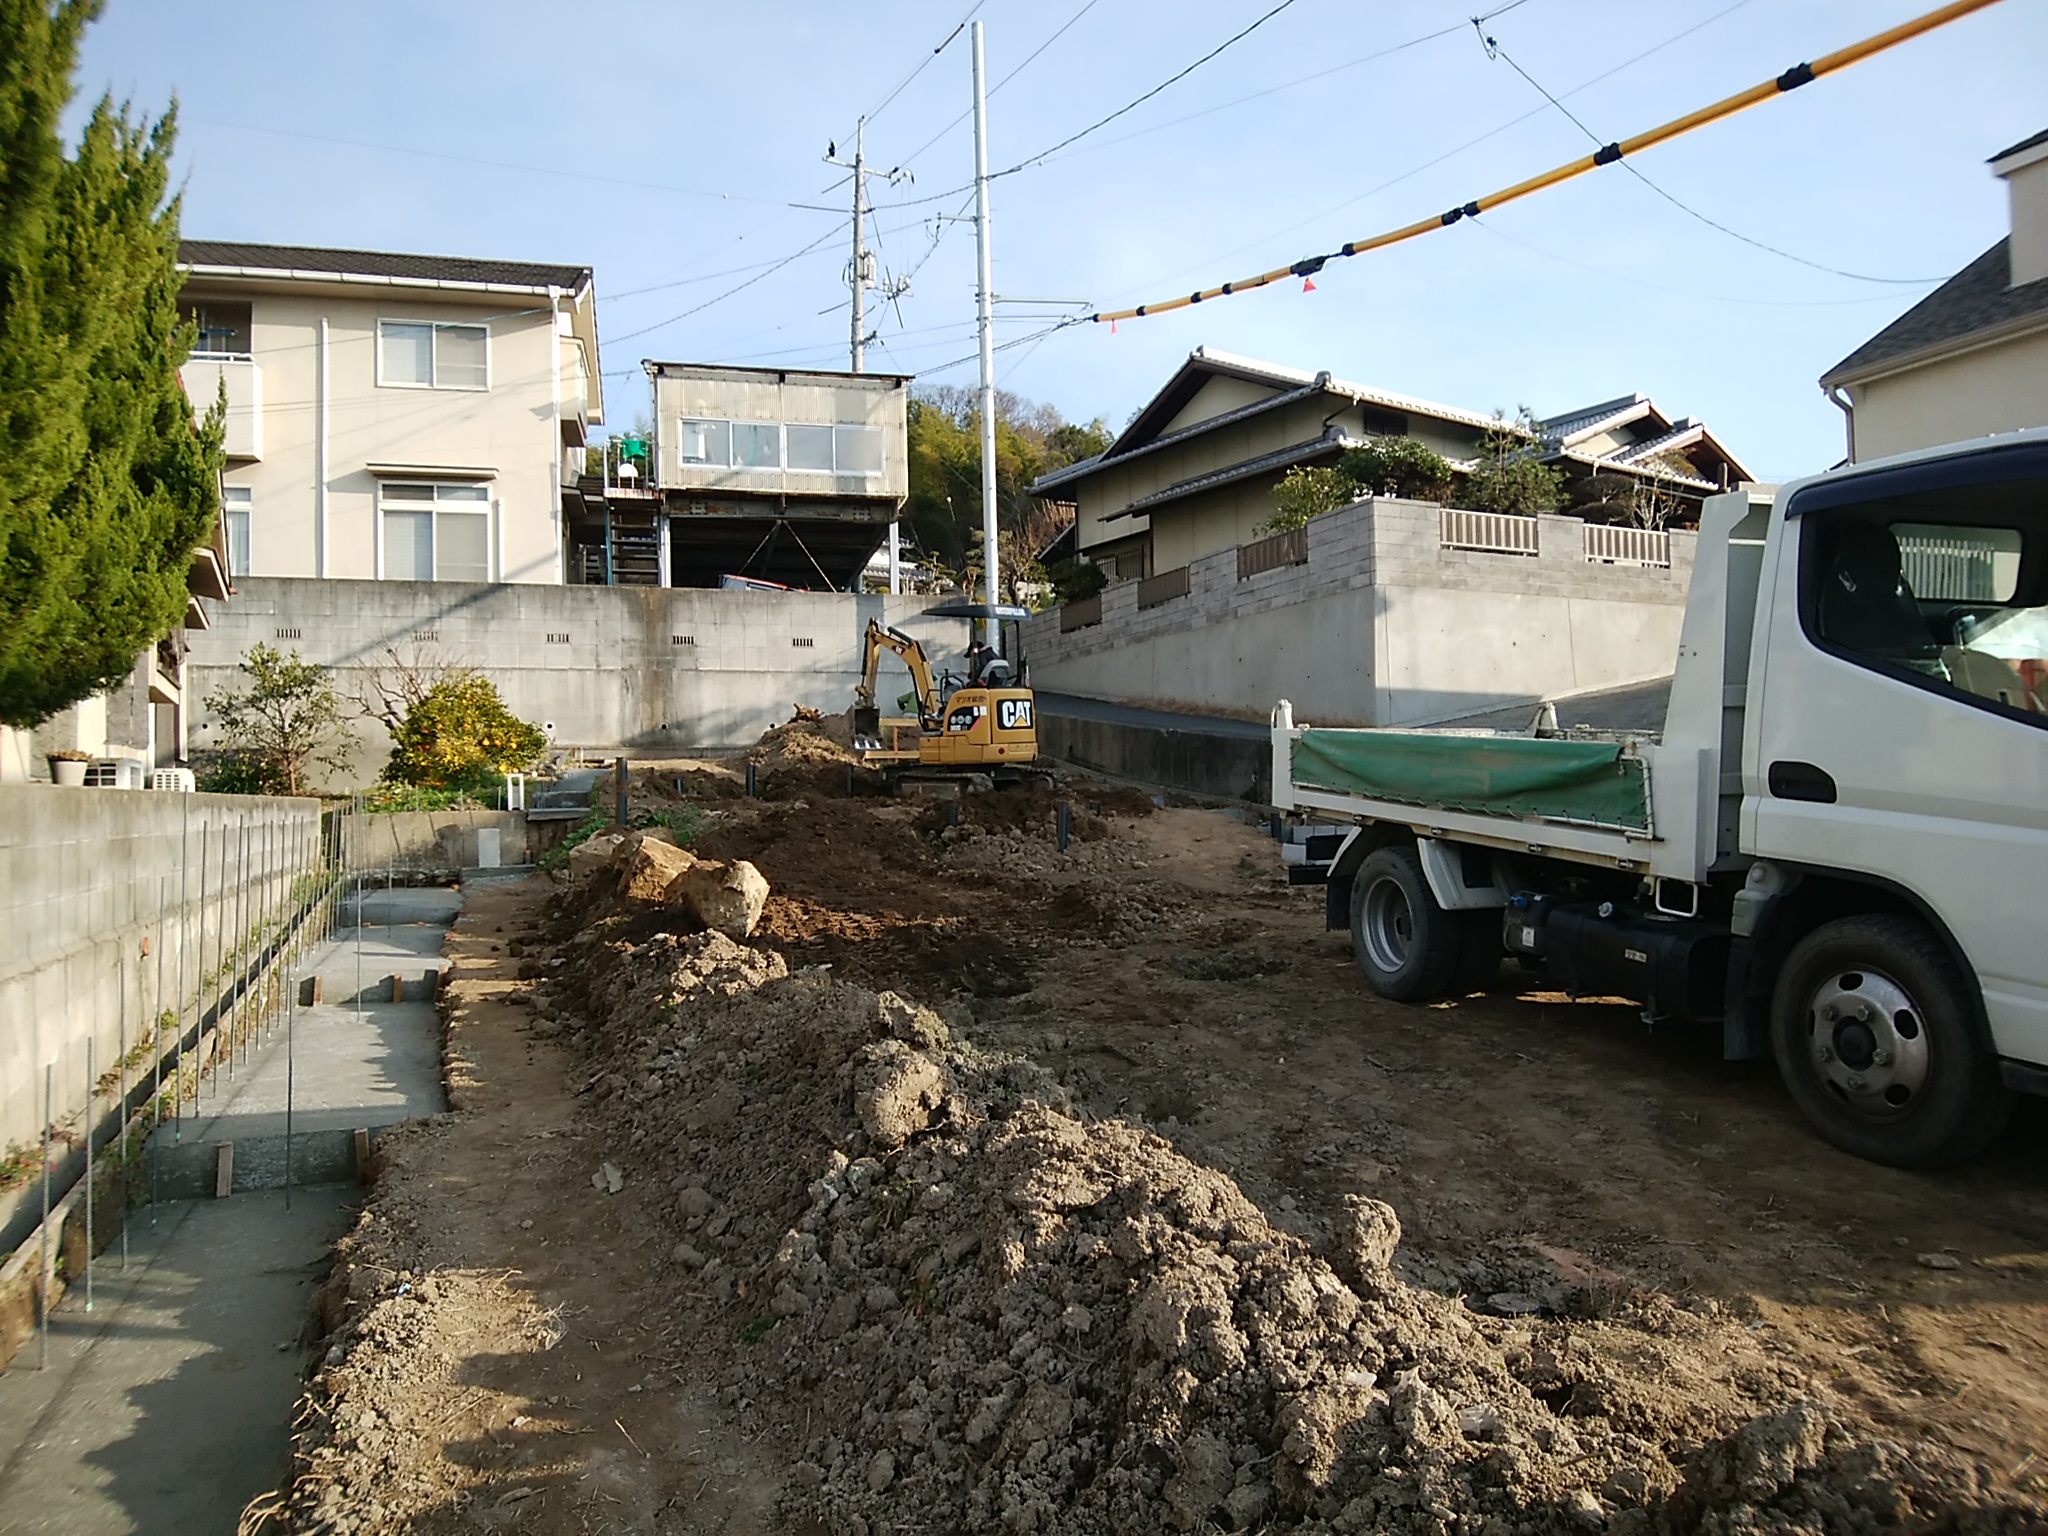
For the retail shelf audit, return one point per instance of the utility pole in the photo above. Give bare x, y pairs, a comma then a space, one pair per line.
984, 303
860, 275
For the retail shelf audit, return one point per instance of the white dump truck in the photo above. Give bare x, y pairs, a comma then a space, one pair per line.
1836, 848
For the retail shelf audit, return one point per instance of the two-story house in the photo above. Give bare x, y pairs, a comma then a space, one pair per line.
1971, 357
394, 417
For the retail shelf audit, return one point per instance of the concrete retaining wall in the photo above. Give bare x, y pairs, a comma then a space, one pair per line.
1220, 767
1382, 626
82, 874
432, 842
651, 669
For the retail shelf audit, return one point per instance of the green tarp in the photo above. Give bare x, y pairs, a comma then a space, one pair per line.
1589, 782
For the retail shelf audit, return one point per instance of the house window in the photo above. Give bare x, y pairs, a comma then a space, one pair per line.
757, 445
223, 328
857, 450
417, 354
810, 448
436, 532
235, 502
707, 442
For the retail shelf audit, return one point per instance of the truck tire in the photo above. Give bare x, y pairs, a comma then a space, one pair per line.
1406, 944
1871, 1024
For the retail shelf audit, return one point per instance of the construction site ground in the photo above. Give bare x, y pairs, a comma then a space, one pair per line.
527, 1334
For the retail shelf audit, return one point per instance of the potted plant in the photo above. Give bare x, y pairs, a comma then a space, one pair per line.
67, 766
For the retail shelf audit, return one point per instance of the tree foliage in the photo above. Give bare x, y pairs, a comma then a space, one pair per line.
280, 726
458, 734
1508, 475
1399, 466
108, 485
944, 509
1307, 491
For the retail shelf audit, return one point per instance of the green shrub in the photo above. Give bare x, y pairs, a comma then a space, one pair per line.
1077, 580
235, 774
459, 735
1305, 492
1398, 466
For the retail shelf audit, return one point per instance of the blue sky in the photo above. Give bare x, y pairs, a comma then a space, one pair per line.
666, 144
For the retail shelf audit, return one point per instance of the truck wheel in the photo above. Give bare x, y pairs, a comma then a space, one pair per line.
1871, 1026
1407, 945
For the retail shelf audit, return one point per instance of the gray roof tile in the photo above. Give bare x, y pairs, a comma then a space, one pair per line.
1977, 298
442, 269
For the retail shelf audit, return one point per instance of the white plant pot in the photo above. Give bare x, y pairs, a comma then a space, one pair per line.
69, 771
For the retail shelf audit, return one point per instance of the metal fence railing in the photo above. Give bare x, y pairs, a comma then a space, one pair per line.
1615, 544
1497, 533
1165, 587
1081, 614
1270, 554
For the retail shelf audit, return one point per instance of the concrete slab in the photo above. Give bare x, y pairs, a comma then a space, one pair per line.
166, 1408
357, 1059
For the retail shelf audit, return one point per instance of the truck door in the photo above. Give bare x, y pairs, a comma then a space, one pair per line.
1899, 723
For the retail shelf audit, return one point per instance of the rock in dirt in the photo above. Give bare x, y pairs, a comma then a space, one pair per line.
654, 867
895, 1091
594, 854
726, 898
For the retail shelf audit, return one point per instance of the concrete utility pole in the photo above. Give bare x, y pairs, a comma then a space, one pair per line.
984, 300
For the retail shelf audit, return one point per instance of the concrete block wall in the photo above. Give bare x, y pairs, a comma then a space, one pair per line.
86, 875
435, 842
651, 670
1382, 626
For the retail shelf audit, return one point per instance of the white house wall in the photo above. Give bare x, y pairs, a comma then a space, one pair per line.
509, 429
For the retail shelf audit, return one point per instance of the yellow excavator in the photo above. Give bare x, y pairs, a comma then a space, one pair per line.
986, 725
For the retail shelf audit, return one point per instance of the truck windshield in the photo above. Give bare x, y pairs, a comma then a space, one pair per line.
1953, 600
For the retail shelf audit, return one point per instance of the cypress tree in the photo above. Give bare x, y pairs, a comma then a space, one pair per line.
107, 485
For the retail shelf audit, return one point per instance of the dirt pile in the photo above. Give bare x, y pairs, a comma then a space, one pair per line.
975, 1311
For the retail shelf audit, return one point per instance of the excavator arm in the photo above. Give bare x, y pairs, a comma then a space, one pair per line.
879, 639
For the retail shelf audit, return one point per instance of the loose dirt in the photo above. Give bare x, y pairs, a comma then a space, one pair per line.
1091, 1226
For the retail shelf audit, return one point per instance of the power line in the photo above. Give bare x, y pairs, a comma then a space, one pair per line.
1013, 74
1494, 50
736, 288
1472, 143
1132, 105
1608, 154
958, 27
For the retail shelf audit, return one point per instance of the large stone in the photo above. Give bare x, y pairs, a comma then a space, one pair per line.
727, 898
594, 854
654, 867
895, 1091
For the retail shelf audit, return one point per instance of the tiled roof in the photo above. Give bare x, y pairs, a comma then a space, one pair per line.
1978, 298
309, 261
1571, 423
1332, 442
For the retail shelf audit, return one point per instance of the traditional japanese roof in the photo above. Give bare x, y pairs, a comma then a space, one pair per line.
312, 263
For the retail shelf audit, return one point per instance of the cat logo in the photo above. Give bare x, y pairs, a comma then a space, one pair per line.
1014, 714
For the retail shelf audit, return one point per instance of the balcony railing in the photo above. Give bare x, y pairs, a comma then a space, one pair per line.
1614, 544
1494, 533
1080, 615
1165, 587
1270, 554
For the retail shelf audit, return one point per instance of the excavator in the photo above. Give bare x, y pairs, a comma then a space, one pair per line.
986, 726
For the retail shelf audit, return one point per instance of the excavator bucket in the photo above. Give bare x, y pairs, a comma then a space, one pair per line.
867, 723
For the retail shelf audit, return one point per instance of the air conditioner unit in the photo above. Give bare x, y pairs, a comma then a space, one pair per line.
177, 780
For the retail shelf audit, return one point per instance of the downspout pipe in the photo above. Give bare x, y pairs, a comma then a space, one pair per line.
1848, 410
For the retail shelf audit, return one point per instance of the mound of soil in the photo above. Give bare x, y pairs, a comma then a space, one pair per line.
986, 1313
